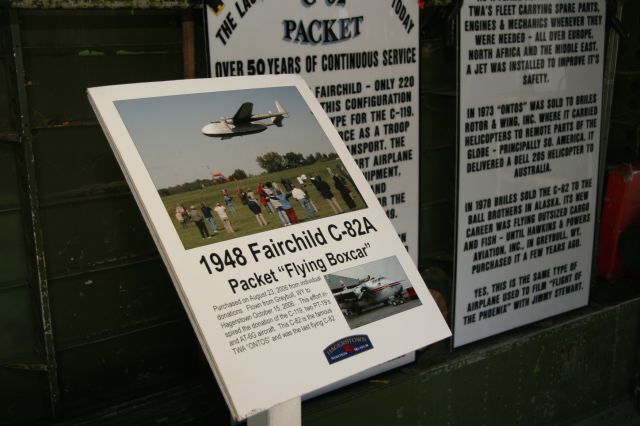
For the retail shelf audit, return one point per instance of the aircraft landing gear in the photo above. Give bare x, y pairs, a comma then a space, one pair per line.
396, 301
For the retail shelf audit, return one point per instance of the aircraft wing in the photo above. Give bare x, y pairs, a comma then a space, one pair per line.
244, 113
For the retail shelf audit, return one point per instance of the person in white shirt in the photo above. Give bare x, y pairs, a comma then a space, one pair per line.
221, 211
304, 201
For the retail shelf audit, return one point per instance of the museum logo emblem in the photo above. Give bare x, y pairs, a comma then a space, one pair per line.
347, 347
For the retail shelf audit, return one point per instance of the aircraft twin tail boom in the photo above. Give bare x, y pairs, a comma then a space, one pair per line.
244, 122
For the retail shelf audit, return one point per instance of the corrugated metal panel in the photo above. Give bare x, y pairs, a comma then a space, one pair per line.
95, 48
76, 163
120, 330
107, 303
94, 233
122, 367
24, 397
12, 249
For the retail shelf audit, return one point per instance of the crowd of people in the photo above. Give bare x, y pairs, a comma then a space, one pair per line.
274, 198
201, 217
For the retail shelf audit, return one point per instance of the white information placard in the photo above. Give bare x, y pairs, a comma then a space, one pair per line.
287, 290
361, 60
529, 130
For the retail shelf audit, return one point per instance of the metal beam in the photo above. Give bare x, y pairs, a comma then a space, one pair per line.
41, 283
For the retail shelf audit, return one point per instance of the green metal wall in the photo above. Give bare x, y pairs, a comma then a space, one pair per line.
90, 271
89, 319
22, 382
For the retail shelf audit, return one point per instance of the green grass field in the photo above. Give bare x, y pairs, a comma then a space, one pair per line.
244, 221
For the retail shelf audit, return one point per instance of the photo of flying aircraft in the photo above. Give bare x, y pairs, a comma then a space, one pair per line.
369, 292
244, 122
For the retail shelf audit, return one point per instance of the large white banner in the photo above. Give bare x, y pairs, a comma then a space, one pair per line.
529, 132
287, 291
361, 61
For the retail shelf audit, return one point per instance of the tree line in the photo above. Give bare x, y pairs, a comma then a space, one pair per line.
273, 162
270, 162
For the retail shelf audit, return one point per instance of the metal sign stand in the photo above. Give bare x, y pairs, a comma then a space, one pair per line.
288, 413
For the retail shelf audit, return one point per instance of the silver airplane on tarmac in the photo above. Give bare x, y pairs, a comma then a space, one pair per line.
368, 293
244, 122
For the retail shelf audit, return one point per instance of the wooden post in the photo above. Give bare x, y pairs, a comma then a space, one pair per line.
188, 45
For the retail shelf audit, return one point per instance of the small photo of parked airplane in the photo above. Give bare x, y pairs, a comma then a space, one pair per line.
368, 292
244, 122
383, 292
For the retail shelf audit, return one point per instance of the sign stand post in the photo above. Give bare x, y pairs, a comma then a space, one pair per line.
289, 413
